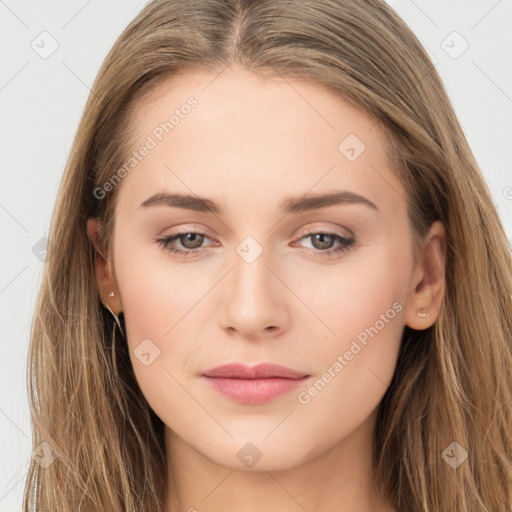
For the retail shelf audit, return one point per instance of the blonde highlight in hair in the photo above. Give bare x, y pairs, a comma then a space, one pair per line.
453, 381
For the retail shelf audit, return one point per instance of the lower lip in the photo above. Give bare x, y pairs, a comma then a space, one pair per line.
254, 391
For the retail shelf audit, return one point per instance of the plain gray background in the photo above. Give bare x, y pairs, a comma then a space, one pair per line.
41, 101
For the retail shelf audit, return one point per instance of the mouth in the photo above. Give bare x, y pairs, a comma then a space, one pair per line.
254, 385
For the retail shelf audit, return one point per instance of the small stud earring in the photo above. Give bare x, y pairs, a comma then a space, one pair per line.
423, 315
116, 318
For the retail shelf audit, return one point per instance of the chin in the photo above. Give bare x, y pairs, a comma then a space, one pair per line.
253, 453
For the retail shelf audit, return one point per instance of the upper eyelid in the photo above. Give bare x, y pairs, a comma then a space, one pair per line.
307, 232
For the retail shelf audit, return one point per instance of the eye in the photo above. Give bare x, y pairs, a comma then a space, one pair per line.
192, 241
322, 240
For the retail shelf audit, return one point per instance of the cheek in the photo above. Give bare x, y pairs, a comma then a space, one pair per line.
356, 365
365, 309
156, 291
360, 296
165, 306
156, 326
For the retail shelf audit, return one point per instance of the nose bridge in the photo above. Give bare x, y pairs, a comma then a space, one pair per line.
253, 301
251, 275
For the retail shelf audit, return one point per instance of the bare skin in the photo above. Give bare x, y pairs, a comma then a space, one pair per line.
249, 144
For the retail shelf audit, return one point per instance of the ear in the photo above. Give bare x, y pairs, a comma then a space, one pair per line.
428, 282
104, 274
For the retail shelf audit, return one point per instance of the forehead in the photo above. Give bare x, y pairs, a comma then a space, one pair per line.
210, 133
236, 98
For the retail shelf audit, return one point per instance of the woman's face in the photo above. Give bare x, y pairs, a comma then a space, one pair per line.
274, 274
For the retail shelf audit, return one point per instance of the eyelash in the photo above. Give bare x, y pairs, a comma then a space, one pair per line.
347, 243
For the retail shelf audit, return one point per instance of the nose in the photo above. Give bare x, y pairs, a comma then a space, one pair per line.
254, 299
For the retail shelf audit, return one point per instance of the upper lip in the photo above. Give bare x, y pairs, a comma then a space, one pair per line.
260, 371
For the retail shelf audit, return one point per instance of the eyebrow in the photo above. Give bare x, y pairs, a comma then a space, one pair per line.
289, 205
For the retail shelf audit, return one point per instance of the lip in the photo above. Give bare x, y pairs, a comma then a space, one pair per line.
256, 384
260, 371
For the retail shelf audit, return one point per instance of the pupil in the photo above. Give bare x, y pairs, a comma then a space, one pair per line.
193, 238
323, 239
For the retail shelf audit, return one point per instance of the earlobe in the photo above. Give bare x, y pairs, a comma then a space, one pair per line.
428, 284
105, 281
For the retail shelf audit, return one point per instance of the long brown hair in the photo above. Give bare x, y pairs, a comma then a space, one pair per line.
453, 381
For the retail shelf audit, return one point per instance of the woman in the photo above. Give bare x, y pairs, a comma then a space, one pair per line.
275, 279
